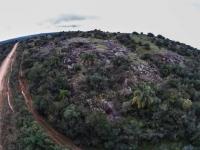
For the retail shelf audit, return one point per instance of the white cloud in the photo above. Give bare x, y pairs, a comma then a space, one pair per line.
175, 19
196, 6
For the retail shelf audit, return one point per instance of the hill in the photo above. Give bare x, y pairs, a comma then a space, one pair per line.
104, 91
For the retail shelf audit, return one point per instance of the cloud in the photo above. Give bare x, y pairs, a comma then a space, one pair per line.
68, 18
196, 6
69, 26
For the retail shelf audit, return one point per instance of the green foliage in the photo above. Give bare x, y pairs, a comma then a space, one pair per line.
100, 124
34, 139
162, 114
120, 60
144, 97
147, 46
88, 58
77, 67
63, 94
197, 85
137, 100
126, 40
30, 136
35, 72
54, 61
71, 112
97, 82
41, 105
186, 104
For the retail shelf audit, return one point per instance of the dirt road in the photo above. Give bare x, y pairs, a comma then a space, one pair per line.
4, 68
5, 90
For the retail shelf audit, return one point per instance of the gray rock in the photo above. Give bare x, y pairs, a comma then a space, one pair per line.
126, 91
119, 54
126, 106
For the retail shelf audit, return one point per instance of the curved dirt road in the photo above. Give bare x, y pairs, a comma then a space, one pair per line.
6, 65
4, 68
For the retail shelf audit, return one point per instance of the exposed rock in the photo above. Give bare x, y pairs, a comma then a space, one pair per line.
126, 106
169, 57
119, 54
126, 91
146, 72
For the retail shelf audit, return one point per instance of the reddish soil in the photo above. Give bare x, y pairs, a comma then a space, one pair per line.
5, 91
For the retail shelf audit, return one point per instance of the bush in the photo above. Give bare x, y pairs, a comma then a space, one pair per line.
186, 104
35, 72
77, 68
70, 112
126, 40
147, 46
41, 105
160, 37
145, 97
97, 82
150, 35
121, 62
63, 94
88, 58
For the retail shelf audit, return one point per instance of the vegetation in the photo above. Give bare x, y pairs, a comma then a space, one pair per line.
25, 130
81, 81
145, 98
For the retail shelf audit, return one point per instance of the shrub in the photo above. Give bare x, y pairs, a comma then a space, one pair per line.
165, 70
121, 62
63, 94
147, 46
34, 138
35, 72
144, 97
126, 40
197, 85
150, 35
160, 37
137, 100
77, 67
186, 104
97, 82
41, 105
71, 112
88, 58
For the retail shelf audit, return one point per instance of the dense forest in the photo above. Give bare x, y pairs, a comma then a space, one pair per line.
108, 91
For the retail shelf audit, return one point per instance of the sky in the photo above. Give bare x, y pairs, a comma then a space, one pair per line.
175, 19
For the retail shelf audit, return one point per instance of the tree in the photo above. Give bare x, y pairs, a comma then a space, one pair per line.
150, 35
144, 97
137, 99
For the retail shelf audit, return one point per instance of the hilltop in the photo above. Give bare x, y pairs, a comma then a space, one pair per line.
104, 91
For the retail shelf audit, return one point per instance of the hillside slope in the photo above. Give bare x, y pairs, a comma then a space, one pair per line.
107, 91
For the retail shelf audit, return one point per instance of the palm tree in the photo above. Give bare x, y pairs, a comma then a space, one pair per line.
138, 99
144, 98
63, 94
88, 58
